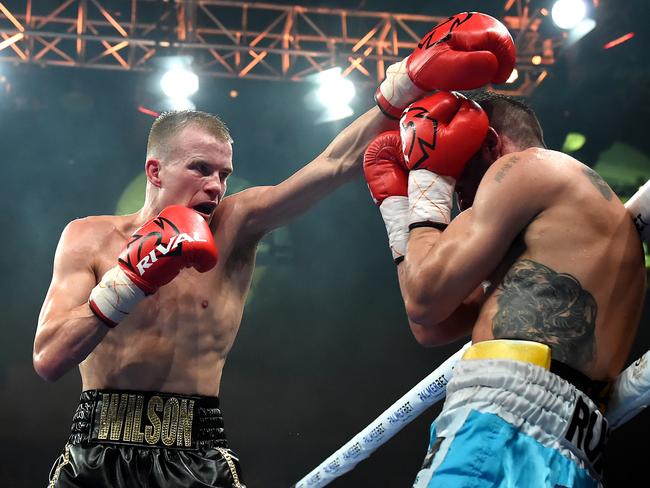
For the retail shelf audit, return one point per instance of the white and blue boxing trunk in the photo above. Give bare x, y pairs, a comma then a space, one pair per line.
514, 424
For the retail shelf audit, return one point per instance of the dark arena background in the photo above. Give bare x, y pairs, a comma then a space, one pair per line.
324, 346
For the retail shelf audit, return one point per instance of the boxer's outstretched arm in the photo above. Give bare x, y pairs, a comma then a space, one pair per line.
273, 206
442, 269
67, 329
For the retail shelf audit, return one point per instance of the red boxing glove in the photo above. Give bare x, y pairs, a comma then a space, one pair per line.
387, 178
383, 167
178, 238
466, 51
157, 251
440, 134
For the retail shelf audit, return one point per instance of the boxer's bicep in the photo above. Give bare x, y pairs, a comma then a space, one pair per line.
271, 207
340, 162
67, 328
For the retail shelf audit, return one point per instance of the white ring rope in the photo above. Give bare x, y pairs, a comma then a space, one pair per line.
426, 393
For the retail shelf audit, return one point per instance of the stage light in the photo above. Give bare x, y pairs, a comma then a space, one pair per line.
179, 83
536, 60
334, 89
513, 76
567, 14
573, 142
132, 196
335, 94
331, 95
580, 31
147, 111
619, 40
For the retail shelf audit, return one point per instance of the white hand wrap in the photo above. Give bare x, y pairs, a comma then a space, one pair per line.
394, 211
639, 207
430, 197
397, 90
630, 392
114, 296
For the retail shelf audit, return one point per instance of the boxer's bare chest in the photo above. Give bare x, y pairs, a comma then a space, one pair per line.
177, 335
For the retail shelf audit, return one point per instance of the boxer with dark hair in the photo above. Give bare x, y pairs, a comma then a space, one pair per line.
543, 268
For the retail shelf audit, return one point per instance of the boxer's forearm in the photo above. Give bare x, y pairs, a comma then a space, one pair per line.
418, 278
63, 342
274, 206
345, 152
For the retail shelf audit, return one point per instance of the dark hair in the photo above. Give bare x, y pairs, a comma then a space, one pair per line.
169, 124
511, 117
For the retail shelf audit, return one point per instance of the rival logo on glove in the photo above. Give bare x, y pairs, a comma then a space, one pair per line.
410, 139
161, 250
172, 248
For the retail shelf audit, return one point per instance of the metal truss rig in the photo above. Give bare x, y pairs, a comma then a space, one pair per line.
241, 39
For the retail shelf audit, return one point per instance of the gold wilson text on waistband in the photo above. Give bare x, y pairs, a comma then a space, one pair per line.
164, 422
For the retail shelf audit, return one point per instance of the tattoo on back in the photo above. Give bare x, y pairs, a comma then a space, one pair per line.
505, 168
538, 304
599, 183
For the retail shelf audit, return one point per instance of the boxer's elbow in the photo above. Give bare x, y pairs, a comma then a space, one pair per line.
46, 365
432, 335
425, 298
45, 369
422, 308
434, 322
424, 325
426, 336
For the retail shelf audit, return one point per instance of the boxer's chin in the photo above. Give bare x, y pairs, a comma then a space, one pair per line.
207, 217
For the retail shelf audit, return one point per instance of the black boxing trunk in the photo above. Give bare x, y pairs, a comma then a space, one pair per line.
146, 439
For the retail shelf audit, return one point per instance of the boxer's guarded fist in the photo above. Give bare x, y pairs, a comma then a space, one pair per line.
384, 168
442, 132
464, 52
177, 238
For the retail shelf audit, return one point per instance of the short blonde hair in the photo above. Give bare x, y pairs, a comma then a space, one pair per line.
169, 124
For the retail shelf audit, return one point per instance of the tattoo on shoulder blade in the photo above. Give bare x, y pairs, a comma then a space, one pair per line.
505, 168
537, 303
599, 183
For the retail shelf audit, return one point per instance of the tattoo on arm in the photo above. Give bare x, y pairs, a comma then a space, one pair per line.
599, 183
505, 168
537, 303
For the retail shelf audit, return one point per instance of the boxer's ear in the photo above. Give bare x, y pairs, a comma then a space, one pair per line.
493, 145
152, 170
490, 149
